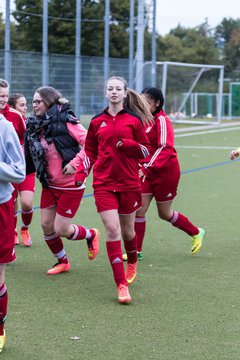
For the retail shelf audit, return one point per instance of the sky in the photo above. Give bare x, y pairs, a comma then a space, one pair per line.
187, 13
191, 13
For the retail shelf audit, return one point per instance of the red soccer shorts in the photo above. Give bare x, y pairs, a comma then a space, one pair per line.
126, 202
7, 253
163, 185
28, 184
67, 202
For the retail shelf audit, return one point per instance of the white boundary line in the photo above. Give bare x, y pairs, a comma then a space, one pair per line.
207, 132
186, 129
205, 147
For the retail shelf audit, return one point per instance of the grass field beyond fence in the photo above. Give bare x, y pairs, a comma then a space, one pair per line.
184, 307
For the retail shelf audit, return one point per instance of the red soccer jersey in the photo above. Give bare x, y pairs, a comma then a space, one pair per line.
161, 137
115, 169
17, 120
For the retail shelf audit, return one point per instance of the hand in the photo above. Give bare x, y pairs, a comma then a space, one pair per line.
234, 154
143, 172
119, 143
69, 169
78, 183
141, 175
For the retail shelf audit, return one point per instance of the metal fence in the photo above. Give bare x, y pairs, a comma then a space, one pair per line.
26, 76
176, 80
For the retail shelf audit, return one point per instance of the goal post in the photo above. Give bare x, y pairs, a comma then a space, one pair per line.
180, 82
234, 91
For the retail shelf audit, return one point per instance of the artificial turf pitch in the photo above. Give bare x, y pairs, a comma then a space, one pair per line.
184, 307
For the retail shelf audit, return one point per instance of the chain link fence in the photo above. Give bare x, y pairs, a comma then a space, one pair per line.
26, 76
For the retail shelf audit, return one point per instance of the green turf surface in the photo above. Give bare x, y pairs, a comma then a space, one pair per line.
184, 307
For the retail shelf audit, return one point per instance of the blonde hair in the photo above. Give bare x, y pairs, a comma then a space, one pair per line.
136, 103
120, 79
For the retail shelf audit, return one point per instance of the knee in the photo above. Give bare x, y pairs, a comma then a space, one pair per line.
47, 226
26, 202
128, 234
165, 215
113, 231
62, 230
26, 206
141, 212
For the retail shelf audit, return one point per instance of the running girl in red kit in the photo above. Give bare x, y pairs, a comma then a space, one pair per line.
115, 142
53, 143
25, 189
160, 174
16, 118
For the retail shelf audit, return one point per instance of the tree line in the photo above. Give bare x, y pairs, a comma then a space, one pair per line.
201, 44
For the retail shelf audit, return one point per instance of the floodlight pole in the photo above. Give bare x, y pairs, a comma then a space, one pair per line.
140, 46
106, 45
7, 49
131, 43
153, 70
45, 75
78, 59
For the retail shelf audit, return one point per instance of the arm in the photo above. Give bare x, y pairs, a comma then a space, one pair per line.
163, 136
19, 124
91, 155
79, 133
234, 154
137, 148
12, 169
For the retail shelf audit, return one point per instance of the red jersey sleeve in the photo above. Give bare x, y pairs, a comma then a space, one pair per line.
91, 154
137, 148
17, 120
20, 128
161, 138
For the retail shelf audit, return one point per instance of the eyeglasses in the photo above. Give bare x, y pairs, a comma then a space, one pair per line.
37, 102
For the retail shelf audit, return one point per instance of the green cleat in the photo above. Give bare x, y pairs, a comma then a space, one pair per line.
2, 341
197, 241
140, 256
124, 257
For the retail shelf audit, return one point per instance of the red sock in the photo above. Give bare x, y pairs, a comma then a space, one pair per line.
26, 218
114, 251
140, 228
131, 250
180, 221
3, 306
55, 244
80, 233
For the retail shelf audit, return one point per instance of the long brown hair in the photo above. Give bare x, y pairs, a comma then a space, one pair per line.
139, 105
50, 95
